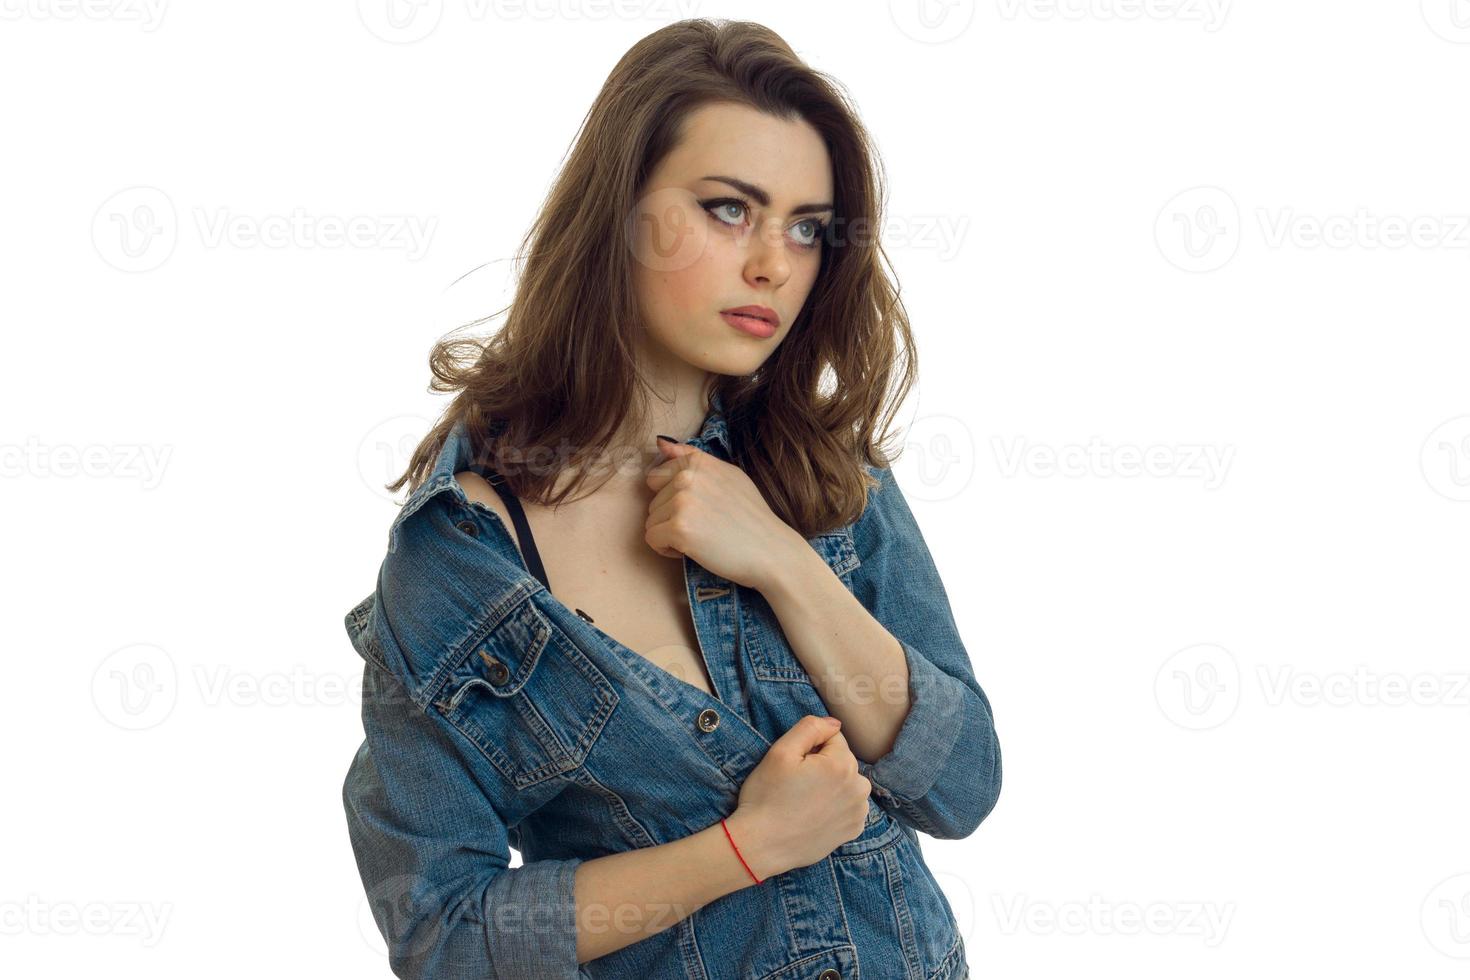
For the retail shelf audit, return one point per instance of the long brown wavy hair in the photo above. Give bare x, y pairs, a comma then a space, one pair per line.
562, 371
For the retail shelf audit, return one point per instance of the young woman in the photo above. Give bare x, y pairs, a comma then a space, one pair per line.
656, 613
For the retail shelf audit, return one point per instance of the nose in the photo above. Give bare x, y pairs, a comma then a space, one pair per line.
766, 261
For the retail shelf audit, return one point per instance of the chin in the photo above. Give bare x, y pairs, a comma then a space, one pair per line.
723, 353
736, 363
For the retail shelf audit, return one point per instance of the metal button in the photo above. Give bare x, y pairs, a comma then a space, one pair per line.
469, 527
829, 975
499, 672
709, 720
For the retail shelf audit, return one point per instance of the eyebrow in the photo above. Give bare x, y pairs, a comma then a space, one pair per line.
764, 199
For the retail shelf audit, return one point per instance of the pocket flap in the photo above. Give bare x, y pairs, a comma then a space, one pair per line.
503, 662
837, 550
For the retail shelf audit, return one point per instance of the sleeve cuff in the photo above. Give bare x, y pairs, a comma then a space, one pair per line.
531, 921
928, 734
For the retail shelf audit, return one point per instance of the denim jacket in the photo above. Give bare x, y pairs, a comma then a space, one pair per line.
495, 717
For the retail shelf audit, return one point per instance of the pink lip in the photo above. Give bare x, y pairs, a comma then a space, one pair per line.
752, 325
759, 312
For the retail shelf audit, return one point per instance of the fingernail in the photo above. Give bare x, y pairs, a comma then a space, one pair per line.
668, 438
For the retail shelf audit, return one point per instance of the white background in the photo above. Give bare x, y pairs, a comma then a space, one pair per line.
1231, 239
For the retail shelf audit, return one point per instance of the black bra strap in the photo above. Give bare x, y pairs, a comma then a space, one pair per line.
518, 517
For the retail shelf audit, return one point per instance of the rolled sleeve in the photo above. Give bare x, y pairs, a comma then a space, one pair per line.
927, 737
432, 849
943, 773
531, 912
925, 778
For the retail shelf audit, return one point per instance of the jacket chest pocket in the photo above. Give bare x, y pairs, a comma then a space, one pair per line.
880, 832
528, 698
771, 658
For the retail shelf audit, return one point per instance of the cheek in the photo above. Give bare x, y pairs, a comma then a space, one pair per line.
798, 289
687, 292
805, 269
667, 233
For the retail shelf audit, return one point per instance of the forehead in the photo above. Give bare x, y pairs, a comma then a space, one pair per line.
787, 157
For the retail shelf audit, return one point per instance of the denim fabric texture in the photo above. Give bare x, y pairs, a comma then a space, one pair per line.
495, 718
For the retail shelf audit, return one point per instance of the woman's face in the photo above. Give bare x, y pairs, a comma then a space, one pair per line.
732, 217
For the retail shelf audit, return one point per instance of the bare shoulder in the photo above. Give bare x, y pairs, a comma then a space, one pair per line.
478, 489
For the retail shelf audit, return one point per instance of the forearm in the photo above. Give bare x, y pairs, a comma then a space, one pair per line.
623, 898
856, 665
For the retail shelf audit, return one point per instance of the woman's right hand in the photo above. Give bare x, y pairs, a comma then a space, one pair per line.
804, 799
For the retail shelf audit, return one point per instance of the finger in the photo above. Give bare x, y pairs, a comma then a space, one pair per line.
684, 456
660, 538
809, 732
657, 514
670, 486
834, 744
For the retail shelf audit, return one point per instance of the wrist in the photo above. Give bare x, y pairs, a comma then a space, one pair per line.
755, 846
788, 565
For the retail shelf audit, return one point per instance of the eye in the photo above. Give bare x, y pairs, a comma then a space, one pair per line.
723, 204
719, 208
819, 231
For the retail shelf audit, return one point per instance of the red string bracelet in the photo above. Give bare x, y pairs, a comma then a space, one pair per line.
737, 851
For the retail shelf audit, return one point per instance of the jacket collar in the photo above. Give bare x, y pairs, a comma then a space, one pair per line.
714, 428
455, 456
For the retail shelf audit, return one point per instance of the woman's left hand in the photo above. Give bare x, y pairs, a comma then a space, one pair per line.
711, 511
